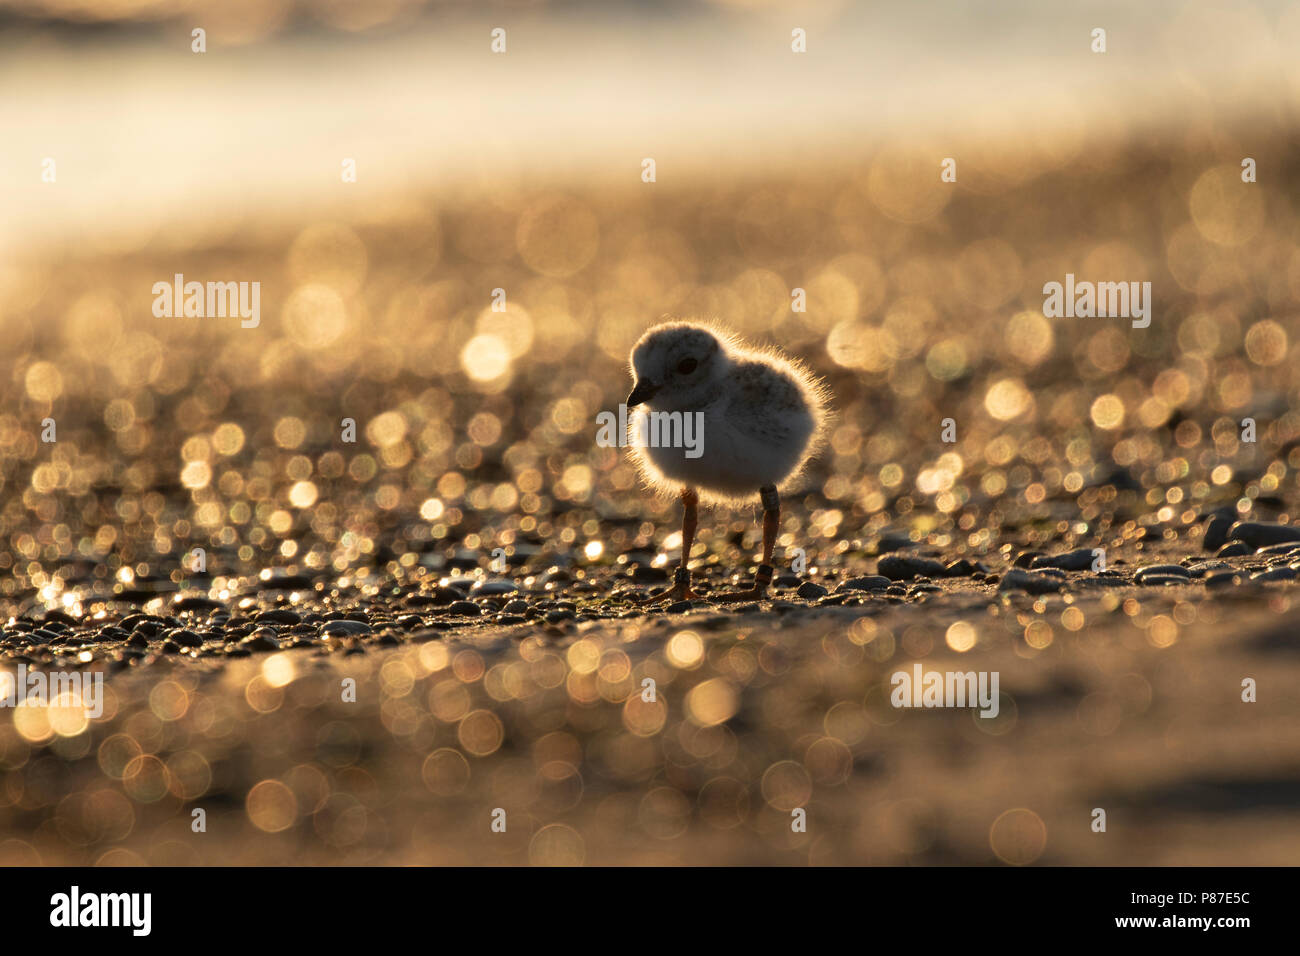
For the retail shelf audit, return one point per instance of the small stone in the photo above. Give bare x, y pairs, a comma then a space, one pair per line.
680, 607
343, 628
262, 639
278, 615
1163, 580
869, 582
1216, 532
437, 597
1221, 579
1257, 534
810, 591
1019, 580
1275, 574
1081, 559
494, 586
1286, 547
1160, 570
898, 567
1233, 549
554, 576
185, 638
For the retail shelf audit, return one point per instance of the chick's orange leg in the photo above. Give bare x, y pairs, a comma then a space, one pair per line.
763, 577
681, 589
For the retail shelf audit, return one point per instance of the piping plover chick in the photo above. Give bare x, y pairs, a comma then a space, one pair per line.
753, 419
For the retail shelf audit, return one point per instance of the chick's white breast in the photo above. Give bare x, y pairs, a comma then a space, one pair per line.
757, 431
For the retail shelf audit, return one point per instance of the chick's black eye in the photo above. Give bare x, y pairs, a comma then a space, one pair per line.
686, 366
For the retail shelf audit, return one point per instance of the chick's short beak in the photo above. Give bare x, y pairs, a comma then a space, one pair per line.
643, 391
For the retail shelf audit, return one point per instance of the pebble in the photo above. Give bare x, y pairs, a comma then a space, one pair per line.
648, 574
1221, 579
1079, 560
1275, 574
810, 591
344, 628
1257, 534
1233, 549
1285, 547
1159, 571
494, 586
438, 597
1018, 580
898, 567
279, 615
869, 582
554, 576
1161, 580
1216, 532
262, 639
185, 638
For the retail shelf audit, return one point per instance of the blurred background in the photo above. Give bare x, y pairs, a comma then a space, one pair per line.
522, 171
159, 145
